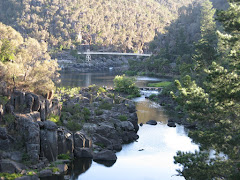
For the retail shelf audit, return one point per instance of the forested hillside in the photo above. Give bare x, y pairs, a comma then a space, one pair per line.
126, 25
174, 47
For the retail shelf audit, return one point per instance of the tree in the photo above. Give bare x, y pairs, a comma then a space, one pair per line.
25, 65
215, 106
205, 48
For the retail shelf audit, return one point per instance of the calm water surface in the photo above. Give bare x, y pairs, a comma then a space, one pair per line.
151, 157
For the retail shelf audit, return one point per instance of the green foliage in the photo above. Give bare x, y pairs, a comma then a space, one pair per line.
131, 73
101, 90
64, 156
152, 97
70, 91
215, 107
55, 119
73, 126
3, 100
10, 176
86, 113
160, 84
122, 117
98, 112
196, 166
126, 85
105, 105
31, 173
205, 48
54, 169
25, 64
9, 118
7, 51
69, 23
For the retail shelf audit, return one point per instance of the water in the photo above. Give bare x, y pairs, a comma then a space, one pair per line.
78, 79
151, 157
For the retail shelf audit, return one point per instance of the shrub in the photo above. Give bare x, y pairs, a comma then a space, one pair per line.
55, 119
98, 112
152, 96
10, 176
126, 85
73, 126
122, 118
64, 156
101, 90
9, 118
105, 105
3, 100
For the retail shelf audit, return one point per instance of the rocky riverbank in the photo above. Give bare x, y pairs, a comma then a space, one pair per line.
67, 62
36, 132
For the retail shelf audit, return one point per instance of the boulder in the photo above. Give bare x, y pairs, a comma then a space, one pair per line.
9, 166
127, 126
65, 141
83, 153
101, 141
29, 132
62, 168
134, 120
3, 133
35, 177
45, 173
171, 124
49, 125
49, 142
105, 155
151, 122
16, 156
29, 102
81, 140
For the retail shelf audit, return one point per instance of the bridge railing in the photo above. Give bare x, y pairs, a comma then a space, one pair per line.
88, 54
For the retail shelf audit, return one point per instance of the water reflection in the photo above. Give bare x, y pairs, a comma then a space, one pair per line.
148, 110
80, 166
76, 79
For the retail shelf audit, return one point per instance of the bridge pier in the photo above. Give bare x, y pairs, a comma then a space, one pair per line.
88, 56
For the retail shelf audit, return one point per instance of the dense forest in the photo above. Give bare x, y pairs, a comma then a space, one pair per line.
207, 93
123, 25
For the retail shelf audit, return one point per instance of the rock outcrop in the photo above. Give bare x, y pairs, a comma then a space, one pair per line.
105, 122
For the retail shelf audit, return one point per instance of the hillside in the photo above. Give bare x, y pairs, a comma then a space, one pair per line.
125, 25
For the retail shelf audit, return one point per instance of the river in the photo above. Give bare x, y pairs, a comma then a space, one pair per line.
151, 157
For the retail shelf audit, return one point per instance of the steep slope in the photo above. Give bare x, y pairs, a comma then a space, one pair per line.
125, 25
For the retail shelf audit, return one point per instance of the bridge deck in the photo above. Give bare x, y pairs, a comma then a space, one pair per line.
113, 53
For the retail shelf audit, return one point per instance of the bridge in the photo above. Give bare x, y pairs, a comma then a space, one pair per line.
89, 53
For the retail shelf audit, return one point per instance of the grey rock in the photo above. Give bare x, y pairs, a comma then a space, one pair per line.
65, 141
83, 152
49, 125
171, 124
34, 177
81, 140
9, 166
45, 173
62, 168
100, 140
105, 155
3, 133
127, 126
16, 156
151, 122
49, 144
